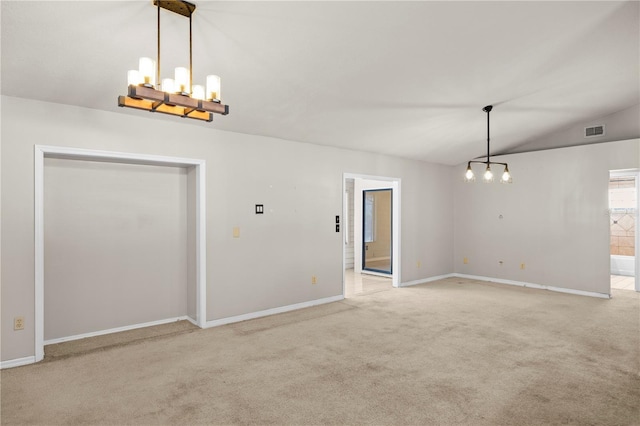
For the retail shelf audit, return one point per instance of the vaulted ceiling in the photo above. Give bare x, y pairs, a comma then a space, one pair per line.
401, 78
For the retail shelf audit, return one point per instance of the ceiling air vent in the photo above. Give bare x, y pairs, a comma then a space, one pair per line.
592, 132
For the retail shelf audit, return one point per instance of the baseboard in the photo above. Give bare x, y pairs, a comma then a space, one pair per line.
17, 362
214, 323
273, 311
426, 280
192, 321
253, 315
623, 265
116, 330
536, 286
623, 272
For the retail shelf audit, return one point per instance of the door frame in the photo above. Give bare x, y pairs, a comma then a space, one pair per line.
362, 242
42, 151
396, 185
636, 174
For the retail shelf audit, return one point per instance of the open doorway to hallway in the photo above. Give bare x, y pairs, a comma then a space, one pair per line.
623, 222
359, 278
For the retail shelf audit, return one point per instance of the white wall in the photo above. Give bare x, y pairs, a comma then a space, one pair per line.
115, 245
271, 264
554, 217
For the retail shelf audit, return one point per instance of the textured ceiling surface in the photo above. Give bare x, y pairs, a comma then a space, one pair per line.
401, 78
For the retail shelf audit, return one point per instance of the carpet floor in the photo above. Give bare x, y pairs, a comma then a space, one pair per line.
451, 352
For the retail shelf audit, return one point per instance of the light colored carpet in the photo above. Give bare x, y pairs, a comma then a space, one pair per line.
449, 352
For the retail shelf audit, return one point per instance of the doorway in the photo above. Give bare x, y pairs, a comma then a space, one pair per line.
356, 278
623, 224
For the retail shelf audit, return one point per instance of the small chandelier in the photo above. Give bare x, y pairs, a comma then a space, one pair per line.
173, 96
488, 174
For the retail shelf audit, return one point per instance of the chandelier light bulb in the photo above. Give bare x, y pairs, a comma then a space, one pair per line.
488, 175
469, 176
168, 86
506, 176
197, 92
147, 69
182, 83
133, 78
213, 88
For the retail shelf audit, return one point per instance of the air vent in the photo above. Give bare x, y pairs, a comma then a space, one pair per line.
592, 132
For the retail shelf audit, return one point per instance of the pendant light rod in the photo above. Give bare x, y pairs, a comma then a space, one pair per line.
185, 9
190, 53
488, 176
488, 109
158, 56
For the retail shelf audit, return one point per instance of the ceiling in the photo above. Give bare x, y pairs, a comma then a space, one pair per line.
400, 78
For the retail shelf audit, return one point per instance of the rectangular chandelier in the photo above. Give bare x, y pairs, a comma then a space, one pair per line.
174, 96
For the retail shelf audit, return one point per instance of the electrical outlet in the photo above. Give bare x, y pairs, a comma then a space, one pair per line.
522, 266
314, 280
18, 323
465, 260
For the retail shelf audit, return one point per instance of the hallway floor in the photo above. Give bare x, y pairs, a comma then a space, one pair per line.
361, 284
622, 282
